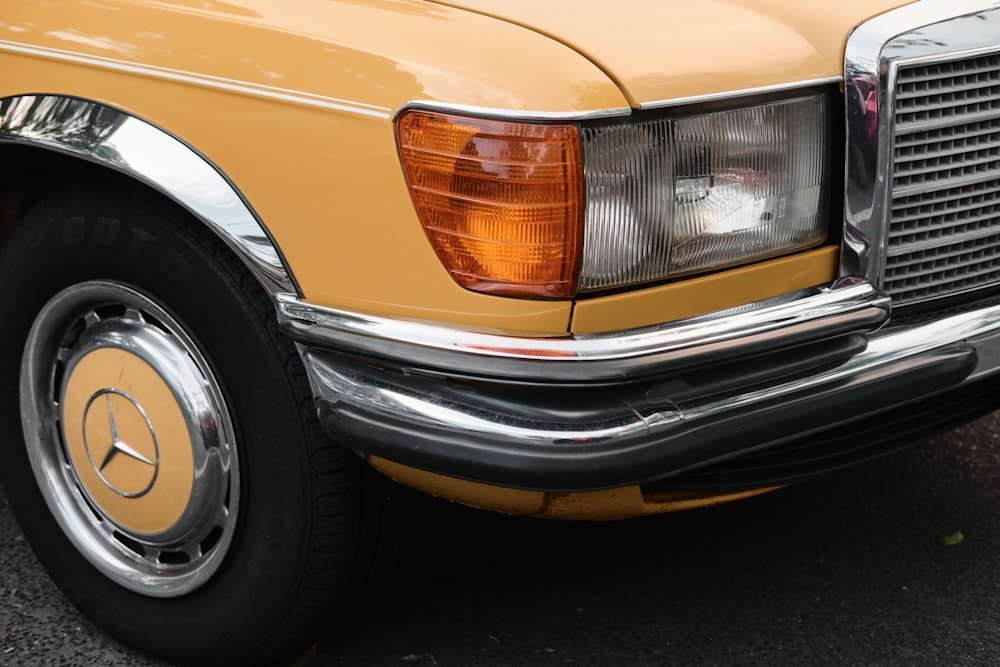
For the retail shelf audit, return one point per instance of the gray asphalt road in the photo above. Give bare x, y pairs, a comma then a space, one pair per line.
844, 570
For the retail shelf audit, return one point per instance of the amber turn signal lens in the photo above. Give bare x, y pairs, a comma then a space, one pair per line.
501, 202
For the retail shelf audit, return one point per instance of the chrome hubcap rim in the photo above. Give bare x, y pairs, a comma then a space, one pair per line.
129, 438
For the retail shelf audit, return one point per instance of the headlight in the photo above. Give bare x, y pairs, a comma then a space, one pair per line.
499, 201
682, 195
544, 210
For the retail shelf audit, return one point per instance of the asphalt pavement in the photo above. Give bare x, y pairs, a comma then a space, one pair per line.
850, 569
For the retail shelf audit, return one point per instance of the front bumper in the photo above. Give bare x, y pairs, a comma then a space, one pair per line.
599, 411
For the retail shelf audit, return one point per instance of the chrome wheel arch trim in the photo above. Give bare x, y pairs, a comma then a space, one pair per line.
129, 145
937, 29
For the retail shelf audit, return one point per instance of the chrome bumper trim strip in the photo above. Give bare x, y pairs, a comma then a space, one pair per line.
794, 319
486, 433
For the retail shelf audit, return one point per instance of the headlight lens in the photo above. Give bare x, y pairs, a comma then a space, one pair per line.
546, 211
499, 201
681, 195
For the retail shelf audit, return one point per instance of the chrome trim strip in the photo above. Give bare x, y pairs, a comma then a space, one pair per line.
875, 49
511, 439
960, 182
361, 394
933, 125
516, 114
728, 95
935, 243
888, 349
977, 328
510, 114
122, 142
795, 318
221, 83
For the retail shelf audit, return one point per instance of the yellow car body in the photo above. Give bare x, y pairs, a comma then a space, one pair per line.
307, 91
276, 126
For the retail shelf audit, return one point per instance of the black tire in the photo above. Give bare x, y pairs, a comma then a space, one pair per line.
307, 513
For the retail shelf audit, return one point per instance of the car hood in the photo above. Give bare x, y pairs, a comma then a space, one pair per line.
658, 50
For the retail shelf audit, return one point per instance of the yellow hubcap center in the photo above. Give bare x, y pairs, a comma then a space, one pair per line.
127, 440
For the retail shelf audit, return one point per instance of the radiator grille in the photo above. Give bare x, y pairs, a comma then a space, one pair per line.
944, 226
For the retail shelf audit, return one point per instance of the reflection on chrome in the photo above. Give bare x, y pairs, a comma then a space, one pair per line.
876, 49
132, 323
796, 318
354, 394
134, 147
378, 398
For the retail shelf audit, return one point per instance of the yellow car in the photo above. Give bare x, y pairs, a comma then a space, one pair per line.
580, 260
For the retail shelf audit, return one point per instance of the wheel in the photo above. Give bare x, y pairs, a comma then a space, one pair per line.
172, 477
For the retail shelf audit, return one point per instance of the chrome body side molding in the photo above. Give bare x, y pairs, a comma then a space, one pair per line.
129, 145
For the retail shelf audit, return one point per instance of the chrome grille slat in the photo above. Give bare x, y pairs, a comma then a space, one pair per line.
958, 255
910, 92
952, 147
944, 223
940, 95
970, 104
924, 126
964, 163
960, 97
929, 214
928, 280
951, 133
932, 186
906, 247
931, 74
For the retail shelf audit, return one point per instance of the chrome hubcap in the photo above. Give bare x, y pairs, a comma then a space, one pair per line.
129, 438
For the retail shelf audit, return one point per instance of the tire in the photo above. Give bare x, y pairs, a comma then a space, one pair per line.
172, 477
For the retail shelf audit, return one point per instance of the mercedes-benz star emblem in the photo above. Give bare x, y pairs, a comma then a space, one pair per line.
113, 446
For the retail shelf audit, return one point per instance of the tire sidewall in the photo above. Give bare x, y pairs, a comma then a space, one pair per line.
90, 237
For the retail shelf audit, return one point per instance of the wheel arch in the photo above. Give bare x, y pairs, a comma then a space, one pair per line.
70, 136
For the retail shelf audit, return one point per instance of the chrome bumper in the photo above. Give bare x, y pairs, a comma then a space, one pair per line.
597, 411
